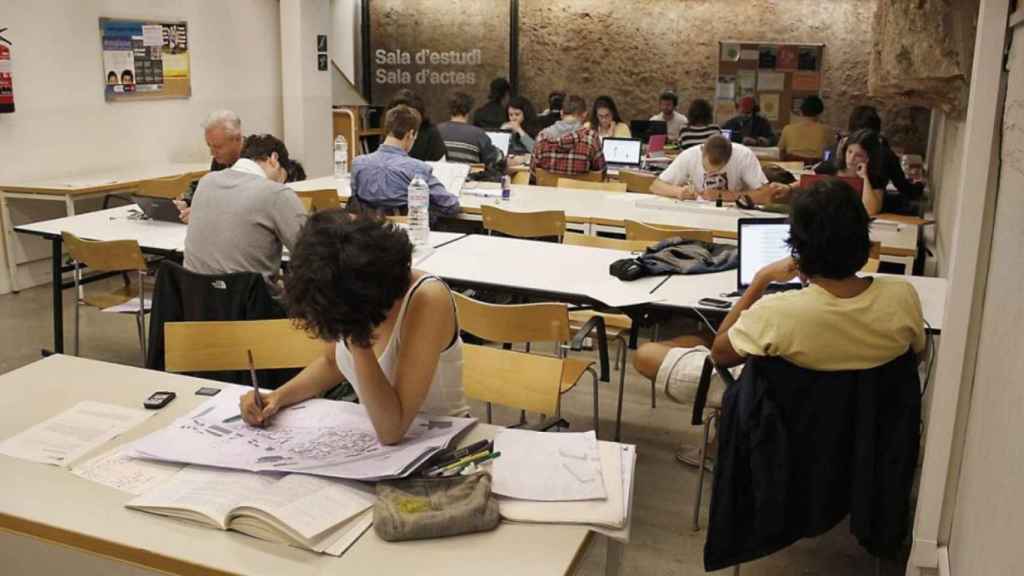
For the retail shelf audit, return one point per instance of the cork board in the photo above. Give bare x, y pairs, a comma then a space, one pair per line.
779, 75
145, 59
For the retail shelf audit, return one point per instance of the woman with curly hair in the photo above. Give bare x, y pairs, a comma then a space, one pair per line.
391, 331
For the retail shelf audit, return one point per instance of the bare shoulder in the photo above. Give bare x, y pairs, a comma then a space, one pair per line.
432, 297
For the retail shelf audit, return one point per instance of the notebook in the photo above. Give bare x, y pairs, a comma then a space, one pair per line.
501, 140
452, 174
761, 242
308, 512
622, 153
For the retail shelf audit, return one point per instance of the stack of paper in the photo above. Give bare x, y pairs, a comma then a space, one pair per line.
320, 437
563, 478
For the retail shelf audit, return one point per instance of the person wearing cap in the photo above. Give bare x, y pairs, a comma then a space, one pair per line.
807, 138
749, 127
674, 121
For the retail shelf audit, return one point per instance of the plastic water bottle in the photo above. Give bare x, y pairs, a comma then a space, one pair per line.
419, 214
340, 157
506, 188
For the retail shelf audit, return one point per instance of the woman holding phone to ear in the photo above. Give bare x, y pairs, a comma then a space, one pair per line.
860, 156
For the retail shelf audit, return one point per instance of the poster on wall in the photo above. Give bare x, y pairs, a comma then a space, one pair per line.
766, 57
746, 81
771, 81
805, 81
145, 59
726, 88
730, 52
807, 58
787, 59
770, 107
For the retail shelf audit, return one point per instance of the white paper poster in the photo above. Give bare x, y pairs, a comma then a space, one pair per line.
726, 89
770, 107
770, 82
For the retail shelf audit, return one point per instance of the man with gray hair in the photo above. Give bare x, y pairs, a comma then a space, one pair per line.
223, 130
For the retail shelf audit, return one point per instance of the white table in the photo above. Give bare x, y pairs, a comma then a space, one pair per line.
72, 187
76, 518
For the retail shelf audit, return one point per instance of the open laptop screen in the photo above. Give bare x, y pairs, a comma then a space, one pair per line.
761, 242
500, 140
622, 151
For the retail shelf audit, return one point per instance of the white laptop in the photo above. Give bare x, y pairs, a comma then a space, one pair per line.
761, 242
622, 153
501, 140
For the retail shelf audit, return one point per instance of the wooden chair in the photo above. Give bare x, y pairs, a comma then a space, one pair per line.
216, 346
545, 224
321, 200
521, 178
525, 324
640, 231
874, 258
577, 239
172, 187
545, 178
637, 182
113, 256
587, 185
307, 203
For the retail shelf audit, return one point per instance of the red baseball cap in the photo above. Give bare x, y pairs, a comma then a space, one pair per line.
747, 104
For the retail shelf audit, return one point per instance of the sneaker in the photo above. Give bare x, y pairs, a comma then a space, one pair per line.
690, 455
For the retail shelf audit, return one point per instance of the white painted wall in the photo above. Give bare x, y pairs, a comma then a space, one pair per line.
306, 90
63, 125
346, 31
990, 503
944, 183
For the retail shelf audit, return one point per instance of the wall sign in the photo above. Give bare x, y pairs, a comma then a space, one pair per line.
145, 59
6, 84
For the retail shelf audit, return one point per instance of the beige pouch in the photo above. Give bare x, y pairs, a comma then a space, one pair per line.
418, 508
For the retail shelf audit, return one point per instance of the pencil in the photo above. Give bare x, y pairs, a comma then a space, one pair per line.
255, 384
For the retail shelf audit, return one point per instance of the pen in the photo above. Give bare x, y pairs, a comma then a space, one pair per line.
462, 462
255, 385
471, 467
458, 455
659, 284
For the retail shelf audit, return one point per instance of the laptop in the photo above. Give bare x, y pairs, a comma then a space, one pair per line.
644, 129
501, 140
622, 153
808, 180
761, 242
656, 143
157, 208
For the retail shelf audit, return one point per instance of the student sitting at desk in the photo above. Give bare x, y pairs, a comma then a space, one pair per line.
568, 147
392, 331
380, 181
242, 216
839, 321
674, 121
860, 156
806, 138
467, 143
749, 127
223, 132
717, 168
605, 115
522, 122
429, 144
701, 125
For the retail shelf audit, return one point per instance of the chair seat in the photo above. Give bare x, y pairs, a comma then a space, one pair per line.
572, 371
616, 323
103, 300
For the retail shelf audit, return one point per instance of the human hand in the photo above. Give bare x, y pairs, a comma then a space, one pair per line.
748, 141
764, 142
511, 125
252, 414
779, 192
686, 193
862, 170
184, 210
780, 271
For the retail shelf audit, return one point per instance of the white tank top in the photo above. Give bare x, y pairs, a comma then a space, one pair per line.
446, 396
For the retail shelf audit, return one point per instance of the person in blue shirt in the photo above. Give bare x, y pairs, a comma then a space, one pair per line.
380, 181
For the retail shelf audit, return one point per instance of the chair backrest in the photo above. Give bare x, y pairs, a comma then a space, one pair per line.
521, 178
524, 224
514, 323
601, 242
545, 178
587, 185
171, 187
640, 231
108, 256
528, 382
874, 258
326, 199
307, 203
637, 182
219, 346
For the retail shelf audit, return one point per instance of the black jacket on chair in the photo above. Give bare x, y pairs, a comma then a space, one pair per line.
799, 450
183, 296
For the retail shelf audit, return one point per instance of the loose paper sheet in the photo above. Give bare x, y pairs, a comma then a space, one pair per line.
770, 82
548, 466
119, 470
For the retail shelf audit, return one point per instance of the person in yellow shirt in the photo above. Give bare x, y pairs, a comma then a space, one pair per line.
807, 138
606, 116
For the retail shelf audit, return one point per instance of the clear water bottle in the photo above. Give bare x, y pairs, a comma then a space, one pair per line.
419, 214
340, 157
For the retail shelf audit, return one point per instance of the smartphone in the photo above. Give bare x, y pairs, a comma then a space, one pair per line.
158, 400
205, 391
715, 303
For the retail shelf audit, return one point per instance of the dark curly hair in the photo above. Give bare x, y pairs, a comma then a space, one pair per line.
828, 230
345, 274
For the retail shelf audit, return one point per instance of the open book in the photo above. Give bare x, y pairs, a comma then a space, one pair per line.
315, 513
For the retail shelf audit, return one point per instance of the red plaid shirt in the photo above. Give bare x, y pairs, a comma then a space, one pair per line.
576, 152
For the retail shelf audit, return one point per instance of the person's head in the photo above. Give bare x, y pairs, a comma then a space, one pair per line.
748, 105
861, 147
829, 230
400, 126
574, 107
865, 118
111, 77
411, 99
699, 113
499, 91
716, 152
345, 274
555, 101
604, 113
223, 131
295, 172
127, 77
812, 107
667, 103
270, 153
460, 105
521, 110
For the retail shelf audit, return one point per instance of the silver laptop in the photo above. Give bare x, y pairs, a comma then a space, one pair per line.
622, 153
501, 140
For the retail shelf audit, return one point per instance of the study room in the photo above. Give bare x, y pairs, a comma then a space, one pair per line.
559, 287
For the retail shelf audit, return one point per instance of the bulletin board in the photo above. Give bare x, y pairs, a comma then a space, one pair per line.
145, 59
778, 75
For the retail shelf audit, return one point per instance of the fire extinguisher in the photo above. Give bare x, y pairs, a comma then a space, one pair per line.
6, 86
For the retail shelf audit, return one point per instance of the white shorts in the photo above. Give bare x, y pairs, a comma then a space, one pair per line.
679, 374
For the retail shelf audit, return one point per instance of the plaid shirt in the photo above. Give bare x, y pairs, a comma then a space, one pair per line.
576, 152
